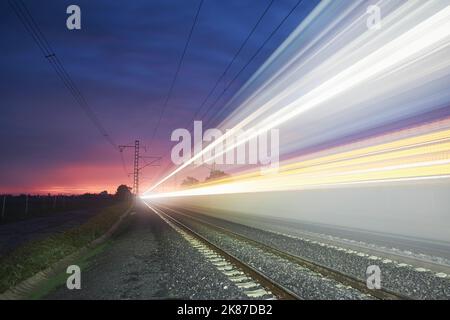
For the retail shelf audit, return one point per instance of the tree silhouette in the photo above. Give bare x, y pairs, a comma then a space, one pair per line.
123, 192
189, 181
216, 174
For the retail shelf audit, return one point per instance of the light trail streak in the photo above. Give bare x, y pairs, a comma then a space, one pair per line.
422, 157
413, 33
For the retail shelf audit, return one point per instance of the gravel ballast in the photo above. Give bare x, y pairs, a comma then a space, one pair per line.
405, 279
305, 283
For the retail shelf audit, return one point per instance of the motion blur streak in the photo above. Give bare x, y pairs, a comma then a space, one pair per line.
344, 78
426, 156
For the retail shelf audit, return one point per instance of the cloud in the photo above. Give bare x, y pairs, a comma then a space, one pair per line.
123, 61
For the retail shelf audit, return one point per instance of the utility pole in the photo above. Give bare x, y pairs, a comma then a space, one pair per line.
26, 205
136, 165
4, 207
136, 171
136, 168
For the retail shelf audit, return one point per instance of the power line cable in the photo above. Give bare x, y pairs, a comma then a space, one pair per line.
38, 36
124, 166
227, 68
217, 115
172, 84
34, 30
274, 31
233, 59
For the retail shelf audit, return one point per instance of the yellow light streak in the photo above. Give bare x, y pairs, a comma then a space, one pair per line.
421, 157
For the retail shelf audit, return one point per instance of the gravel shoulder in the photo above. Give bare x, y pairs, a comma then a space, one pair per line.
147, 259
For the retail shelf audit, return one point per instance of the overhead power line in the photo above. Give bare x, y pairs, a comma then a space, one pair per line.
252, 31
180, 62
124, 166
227, 68
274, 31
34, 30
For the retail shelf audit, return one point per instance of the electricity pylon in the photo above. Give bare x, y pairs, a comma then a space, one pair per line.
138, 169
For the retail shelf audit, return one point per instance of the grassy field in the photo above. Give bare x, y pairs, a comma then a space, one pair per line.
60, 278
17, 208
36, 256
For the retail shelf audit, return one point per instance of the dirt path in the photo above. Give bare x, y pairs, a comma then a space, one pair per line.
147, 259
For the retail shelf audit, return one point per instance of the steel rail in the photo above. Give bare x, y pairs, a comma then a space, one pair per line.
325, 271
279, 291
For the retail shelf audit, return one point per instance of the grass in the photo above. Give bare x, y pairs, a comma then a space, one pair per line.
60, 278
38, 255
43, 206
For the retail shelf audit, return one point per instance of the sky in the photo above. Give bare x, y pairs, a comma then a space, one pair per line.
123, 61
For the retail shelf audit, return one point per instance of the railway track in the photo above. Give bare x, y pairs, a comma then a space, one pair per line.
326, 272
251, 281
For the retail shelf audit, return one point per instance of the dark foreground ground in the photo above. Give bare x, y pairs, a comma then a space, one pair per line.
14, 234
147, 259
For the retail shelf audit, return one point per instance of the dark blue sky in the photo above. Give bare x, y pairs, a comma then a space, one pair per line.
123, 60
